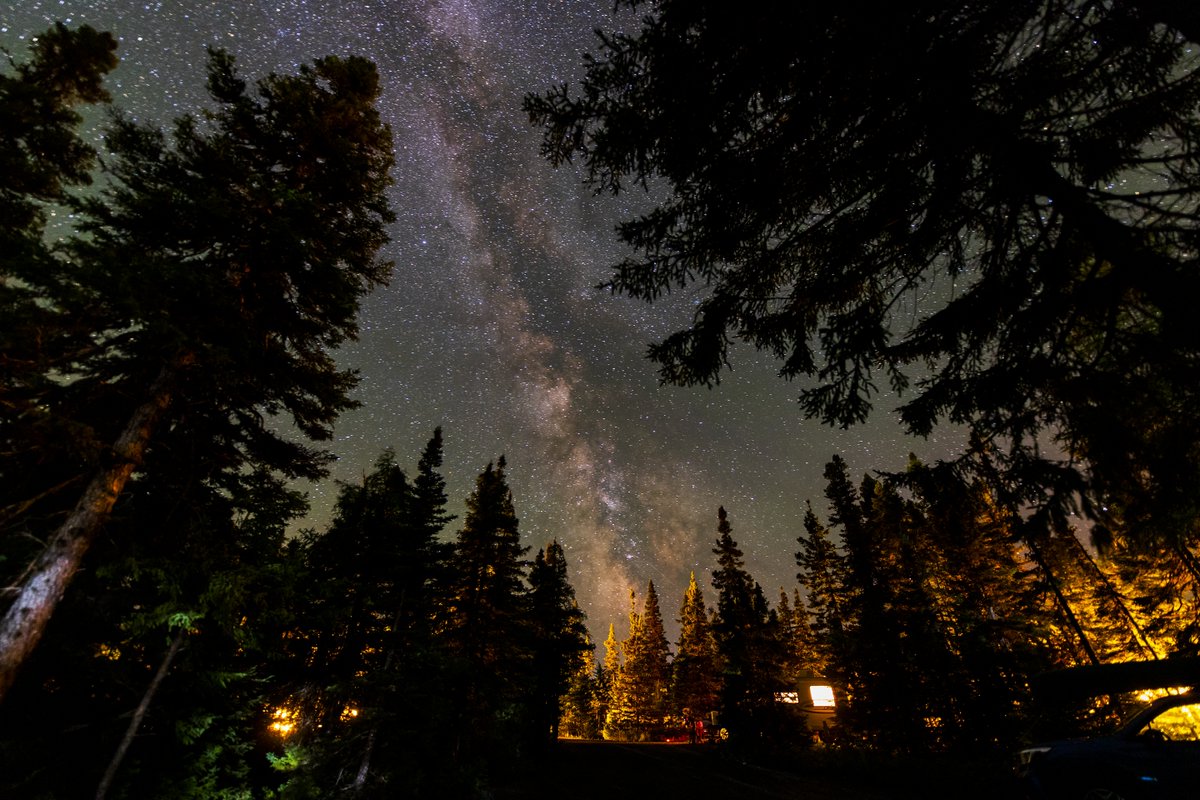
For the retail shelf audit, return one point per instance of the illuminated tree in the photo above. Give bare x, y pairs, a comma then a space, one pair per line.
583, 706
1162, 584
640, 690
695, 677
1094, 612
607, 672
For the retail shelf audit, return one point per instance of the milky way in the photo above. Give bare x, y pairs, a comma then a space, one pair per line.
491, 326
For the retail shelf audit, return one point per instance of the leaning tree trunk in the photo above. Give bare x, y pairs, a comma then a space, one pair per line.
48, 576
1061, 601
1114, 595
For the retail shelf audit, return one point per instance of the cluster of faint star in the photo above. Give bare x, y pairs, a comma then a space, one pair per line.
491, 327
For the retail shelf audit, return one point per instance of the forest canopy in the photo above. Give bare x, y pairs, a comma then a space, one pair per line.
199, 293
990, 208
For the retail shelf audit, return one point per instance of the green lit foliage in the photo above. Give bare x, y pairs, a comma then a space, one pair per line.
190, 583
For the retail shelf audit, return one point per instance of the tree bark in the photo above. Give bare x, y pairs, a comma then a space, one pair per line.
140, 714
45, 582
1063, 606
364, 768
1111, 592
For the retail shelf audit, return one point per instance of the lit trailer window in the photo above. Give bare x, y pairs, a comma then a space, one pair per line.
822, 695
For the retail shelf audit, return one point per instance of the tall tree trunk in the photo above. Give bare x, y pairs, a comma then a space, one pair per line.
47, 578
364, 768
1064, 607
1188, 558
1114, 595
140, 714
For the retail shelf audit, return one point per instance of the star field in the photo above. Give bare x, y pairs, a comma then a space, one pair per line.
491, 327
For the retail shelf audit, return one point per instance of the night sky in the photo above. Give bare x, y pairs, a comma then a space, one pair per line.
491, 326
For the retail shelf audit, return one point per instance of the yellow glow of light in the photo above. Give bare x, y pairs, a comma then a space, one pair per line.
105, 651
349, 713
284, 720
822, 696
1150, 695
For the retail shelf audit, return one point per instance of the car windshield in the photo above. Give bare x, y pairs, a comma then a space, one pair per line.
1176, 724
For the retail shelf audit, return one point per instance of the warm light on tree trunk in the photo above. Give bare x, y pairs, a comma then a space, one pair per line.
47, 578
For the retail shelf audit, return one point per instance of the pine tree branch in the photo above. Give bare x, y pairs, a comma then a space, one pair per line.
16, 509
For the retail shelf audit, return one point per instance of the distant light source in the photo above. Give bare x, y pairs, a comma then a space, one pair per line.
787, 697
284, 720
109, 652
822, 696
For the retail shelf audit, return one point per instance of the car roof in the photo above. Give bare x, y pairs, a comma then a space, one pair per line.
1158, 706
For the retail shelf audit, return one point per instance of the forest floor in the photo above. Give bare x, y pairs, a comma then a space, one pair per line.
604, 770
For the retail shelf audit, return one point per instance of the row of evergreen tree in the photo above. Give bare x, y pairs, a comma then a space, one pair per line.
375, 656
928, 607
419, 664
381, 656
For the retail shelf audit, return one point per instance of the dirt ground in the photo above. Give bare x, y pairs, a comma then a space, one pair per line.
607, 770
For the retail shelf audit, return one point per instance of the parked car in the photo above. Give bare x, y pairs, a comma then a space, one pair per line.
1156, 754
